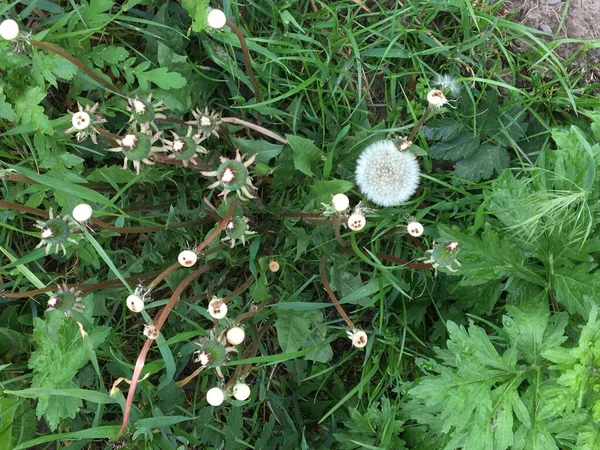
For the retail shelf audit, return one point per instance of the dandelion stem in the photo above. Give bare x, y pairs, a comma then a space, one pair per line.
332, 296
248, 63
419, 124
66, 55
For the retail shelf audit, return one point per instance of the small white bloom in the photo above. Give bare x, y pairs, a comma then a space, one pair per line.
151, 331
415, 229
46, 233
216, 19
129, 141
357, 222
385, 175
340, 202
217, 308
358, 337
9, 29
81, 120
235, 336
139, 106
436, 98
202, 357
241, 391
135, 303
82, 212
205, 121
215, 396
187, 258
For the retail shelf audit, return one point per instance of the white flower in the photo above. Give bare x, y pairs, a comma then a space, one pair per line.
340, 202
135, 303
215, 396
358, 337
82, 212
436, 98
9, 29
357, 222
217, 308
216, 19
385, 175
151, 331
415, 229
81, 120
235, 336
241, 391
187, 258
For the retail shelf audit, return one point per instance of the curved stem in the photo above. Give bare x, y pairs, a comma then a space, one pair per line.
248, 63
254, 127
419, 124
66, 55
332, 296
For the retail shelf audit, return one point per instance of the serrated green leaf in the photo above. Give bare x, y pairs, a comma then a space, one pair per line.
573, 285
443, 129
482, 164
28, 111
306, 154
161, 77
462, 146
264, 151
6, 110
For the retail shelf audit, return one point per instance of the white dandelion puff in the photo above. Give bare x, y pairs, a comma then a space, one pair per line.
385, 175
448, 82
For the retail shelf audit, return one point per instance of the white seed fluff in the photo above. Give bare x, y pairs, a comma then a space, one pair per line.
436, 98
82, 212
415, 229
241, 391
216, 19
187, 258
135, 303
340, 202
9, 29
235, 336
385, 175
215, 396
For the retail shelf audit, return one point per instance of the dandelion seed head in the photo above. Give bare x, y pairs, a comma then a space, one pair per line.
385, 175
448, 82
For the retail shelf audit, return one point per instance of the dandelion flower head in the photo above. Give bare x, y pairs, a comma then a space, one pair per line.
385, 175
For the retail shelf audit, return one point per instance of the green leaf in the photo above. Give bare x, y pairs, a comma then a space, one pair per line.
293, 328
161, 77
28, 111
306, 154
443, 129
105, 432
486, 160
6, 110
264, 151
198, 10
573, 285
462, 146
331, 187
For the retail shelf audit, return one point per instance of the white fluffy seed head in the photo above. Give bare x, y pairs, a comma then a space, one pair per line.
356, 222
236, 335
216, 19
436, 98
217, 308
241, 391
82, 212
340, 202
187, 258
215, 396
385, 175
359, 338
9, 29
135, 303
415, 229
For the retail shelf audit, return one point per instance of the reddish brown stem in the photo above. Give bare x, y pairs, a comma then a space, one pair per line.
299, 214
419, 124
240, 290
332, 296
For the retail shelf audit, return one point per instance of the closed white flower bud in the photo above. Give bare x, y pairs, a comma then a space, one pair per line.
81, 120
356, 222
215, 396
151, 331
9, 29
273, 266
217, 308
82, 212
187, 258
236, 335
216, 19
241, 391
135, 303
415, 229
436, 98
340, 202
358, 337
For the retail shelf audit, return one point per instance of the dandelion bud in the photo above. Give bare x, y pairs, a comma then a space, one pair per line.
82, 212
187, 258
415, 229
235, 336
81, 120
217, 308
436, 98
241, 391
358, 337
151, 331
340, 202
135, 303
356, 222
216, 19
9, 30
215, 396
273, 266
